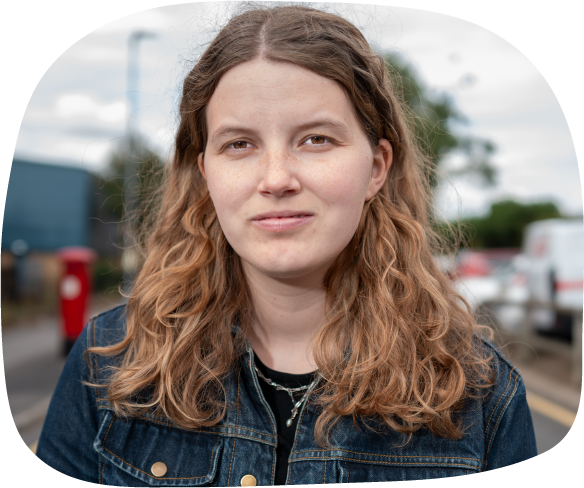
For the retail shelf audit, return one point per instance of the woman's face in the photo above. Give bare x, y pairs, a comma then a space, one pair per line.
288, 167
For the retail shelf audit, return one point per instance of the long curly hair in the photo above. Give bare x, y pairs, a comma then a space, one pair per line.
399, 345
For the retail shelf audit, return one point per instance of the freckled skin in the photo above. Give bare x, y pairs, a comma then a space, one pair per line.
270, 161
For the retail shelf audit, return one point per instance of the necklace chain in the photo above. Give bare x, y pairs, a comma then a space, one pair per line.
291, 392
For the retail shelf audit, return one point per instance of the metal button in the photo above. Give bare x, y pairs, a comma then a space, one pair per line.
249, 480
158, 469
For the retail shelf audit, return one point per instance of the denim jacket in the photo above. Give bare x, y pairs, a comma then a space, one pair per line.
83, 438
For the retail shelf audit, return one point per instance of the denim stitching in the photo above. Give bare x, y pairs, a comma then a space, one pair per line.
155, 477
347, 471
273, 463
221, 434
95, 369
92, 324
499, 418
146, 419
391, 464
101, 482
144, 472
391, 455
325, 468
500, 398
235, 438
108, 430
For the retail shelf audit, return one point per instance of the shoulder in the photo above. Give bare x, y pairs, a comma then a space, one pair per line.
107, 328
103, 330
488, 346
506, 377
507, 426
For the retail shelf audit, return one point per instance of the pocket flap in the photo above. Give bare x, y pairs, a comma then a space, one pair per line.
135, 445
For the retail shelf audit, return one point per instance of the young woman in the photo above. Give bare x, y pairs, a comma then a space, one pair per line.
289, 325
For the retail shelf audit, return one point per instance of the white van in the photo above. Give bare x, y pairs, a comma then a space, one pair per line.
555, 267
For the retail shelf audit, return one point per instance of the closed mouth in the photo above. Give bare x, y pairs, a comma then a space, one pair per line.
282, 215
287, 217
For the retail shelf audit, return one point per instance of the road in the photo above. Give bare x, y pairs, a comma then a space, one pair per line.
33, 362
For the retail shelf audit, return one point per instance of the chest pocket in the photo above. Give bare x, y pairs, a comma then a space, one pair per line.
358, 467
352, 471
138, 452
349, 466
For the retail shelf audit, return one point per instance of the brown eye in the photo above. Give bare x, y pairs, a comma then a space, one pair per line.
317, 140
239, 145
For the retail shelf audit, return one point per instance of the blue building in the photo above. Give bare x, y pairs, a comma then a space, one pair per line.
48, 206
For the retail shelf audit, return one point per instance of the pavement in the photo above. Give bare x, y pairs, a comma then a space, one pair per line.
33, 361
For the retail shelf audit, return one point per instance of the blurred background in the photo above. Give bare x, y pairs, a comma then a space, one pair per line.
99, 129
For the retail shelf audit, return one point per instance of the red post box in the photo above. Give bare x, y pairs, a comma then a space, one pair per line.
74, 291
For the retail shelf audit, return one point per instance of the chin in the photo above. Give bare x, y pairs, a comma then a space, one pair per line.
284, 270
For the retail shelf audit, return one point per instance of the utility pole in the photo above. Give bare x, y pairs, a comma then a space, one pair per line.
129, 258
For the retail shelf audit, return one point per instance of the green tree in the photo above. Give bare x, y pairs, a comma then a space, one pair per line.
146, 166
503, 226
433, 124
130, 216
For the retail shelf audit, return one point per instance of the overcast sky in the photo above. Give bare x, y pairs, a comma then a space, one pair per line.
78, 112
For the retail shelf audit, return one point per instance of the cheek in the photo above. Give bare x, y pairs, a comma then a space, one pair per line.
228, 194
344, 186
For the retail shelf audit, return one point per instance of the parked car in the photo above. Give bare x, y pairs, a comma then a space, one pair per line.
479, 275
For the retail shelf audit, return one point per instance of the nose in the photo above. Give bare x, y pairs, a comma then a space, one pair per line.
279, 178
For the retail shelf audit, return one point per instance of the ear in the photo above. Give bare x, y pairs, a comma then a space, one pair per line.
382, 159
201, 164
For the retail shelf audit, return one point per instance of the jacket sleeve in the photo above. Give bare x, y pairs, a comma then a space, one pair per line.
66, 441
510, 437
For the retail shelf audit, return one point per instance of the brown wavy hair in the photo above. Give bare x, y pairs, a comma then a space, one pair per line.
399, 345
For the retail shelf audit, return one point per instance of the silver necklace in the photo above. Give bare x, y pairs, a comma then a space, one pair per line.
291, 392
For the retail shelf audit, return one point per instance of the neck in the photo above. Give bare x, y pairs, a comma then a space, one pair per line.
287, 315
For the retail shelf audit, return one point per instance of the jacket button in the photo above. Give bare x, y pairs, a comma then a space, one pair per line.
249, 480
158, 469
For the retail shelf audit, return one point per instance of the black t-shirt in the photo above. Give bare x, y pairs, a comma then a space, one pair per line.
281, 405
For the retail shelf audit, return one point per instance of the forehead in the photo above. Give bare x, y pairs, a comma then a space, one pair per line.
261, 91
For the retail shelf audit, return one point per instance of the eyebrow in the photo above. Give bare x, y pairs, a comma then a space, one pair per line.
330, 124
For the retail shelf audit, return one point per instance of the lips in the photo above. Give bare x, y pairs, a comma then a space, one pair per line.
284, 217
282, 221
283, 214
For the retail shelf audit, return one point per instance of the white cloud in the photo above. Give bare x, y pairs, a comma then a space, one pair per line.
91, 153
81, 105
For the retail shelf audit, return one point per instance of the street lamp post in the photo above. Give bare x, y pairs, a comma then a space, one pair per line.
133, 96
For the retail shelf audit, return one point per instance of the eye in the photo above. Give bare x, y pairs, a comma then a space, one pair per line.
317, 140
239, 145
